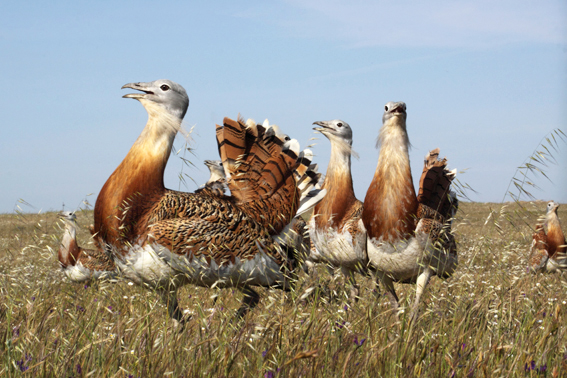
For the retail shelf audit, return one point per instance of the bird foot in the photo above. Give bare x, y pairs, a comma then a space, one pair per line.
354, 295
178, 325
414, 315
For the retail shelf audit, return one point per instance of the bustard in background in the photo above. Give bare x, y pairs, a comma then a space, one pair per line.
548, 250
81, 264
217, 179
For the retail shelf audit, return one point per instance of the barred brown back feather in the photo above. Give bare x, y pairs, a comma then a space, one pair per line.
538, 251
353, 215
261, 171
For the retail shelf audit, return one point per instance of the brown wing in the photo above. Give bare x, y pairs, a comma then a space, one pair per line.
435, 184
435, 204
261, 166
215, 241
538, 251
215, 188
245, 151
260, 169
205, 224
96, 260
352, 217
231, 141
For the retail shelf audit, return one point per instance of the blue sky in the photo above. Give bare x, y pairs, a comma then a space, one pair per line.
484, 81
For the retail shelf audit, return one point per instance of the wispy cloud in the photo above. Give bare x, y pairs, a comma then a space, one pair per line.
482, 23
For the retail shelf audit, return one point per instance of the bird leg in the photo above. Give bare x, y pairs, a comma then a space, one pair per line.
308, 267
422, 281
389, 286
250, 300
354, 288
169, 296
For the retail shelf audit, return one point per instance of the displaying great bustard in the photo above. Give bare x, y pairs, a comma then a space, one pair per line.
334, 229
409, 238
164, 239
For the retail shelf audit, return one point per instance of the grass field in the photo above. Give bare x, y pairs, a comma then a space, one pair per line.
490, 319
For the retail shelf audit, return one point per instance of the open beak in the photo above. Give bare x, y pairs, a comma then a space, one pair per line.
398, 110
210, 163
324, 126
139, 87
65, 216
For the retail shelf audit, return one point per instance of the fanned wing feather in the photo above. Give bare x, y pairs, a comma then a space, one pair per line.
231, 138
436, 203
309, 201
264, 169
435, 184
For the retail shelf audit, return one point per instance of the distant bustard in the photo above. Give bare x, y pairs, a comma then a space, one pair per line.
548, 250
81, 264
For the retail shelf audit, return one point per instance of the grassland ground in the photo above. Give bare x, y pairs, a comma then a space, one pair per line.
490, 319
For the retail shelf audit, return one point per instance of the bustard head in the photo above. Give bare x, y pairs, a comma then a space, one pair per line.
335, 130
395, 109
216, 169
165, 93
552, 207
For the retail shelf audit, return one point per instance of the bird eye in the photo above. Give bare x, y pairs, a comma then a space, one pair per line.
339, 124
164, 87
287, 138
386, 107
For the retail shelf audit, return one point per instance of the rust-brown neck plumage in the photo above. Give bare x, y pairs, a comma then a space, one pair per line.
69, 250
555, 237
390, 204
332, 210
137, 184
